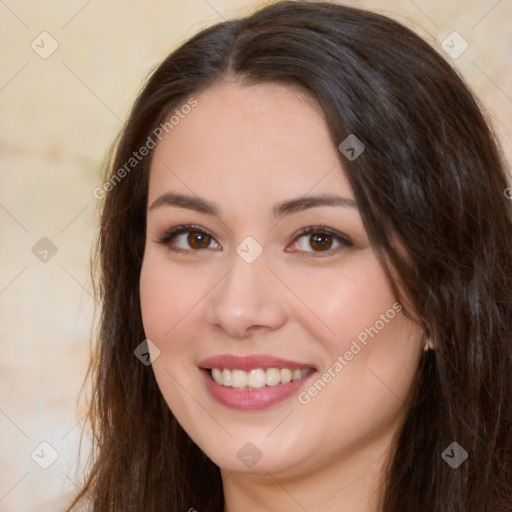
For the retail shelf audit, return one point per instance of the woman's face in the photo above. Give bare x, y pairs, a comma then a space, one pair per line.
314, 357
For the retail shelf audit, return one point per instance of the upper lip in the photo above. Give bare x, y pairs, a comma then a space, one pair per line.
264, 361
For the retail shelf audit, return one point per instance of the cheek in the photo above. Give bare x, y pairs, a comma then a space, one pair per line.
372, 353
347, 301
166, 298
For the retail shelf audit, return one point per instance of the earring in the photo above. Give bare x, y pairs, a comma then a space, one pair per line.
429, 345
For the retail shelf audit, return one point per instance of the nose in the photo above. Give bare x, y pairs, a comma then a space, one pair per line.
248, 299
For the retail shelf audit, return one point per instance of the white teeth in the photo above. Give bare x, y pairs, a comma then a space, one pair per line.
257, 377
238, 379
217, 374
273, 376
286, 375
297, 374
226, 378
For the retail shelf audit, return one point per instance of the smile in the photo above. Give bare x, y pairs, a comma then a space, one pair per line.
253, 382
257, 377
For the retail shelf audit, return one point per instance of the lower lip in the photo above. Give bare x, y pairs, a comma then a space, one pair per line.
252, 399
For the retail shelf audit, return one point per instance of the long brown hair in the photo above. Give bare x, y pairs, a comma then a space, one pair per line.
431, 181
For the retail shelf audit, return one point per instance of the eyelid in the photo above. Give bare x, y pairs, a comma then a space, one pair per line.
341, 238
322, 228
316, 229
182, 228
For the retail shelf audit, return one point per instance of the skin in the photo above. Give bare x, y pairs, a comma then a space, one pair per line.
246, 149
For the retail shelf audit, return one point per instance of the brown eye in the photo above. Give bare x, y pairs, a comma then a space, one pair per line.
315, 240
198, 240
320, 241
189, 239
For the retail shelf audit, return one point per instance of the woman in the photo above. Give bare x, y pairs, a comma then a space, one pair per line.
306, 232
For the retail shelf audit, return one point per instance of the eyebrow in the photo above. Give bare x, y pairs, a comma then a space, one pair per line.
279, 210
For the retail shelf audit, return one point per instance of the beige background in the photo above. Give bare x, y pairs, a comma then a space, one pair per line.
58, 117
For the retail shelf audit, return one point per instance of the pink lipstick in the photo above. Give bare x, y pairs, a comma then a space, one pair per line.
253, 382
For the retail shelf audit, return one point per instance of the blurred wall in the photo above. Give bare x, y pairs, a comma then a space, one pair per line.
69, 72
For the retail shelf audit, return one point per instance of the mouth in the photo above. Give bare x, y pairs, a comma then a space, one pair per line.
253, 382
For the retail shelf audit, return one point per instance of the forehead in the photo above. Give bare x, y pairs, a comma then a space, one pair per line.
266, 139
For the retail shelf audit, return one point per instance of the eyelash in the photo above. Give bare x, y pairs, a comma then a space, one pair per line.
317, 230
